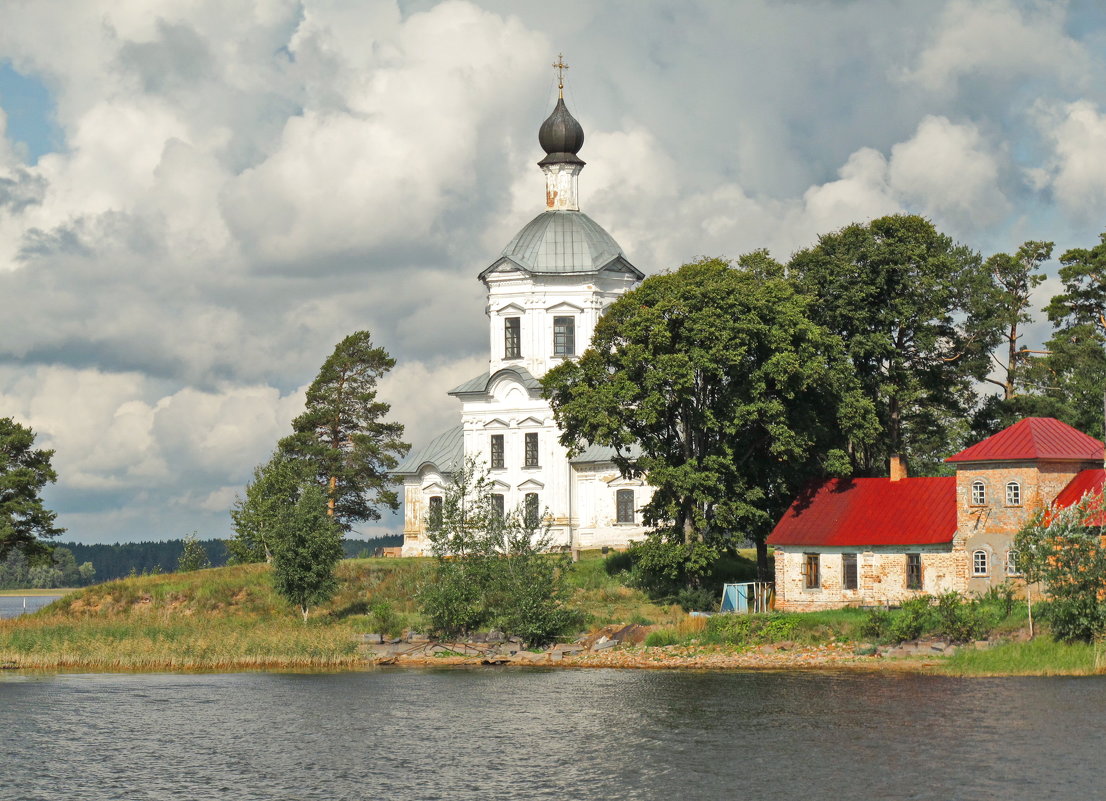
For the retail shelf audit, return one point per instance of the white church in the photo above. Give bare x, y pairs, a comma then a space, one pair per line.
546, 292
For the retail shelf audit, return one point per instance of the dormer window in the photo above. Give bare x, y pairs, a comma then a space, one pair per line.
979, 493
564, 336
512, 338
1013, 494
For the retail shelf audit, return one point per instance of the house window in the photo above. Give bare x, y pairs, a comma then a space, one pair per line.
564, 336
530, 510
512, 338
979, 563
913, 571
979, 493
624, 506
1013, 494
531, 456
811, 579
497, 505
497, 450
848, 571
1012, 563
434, 512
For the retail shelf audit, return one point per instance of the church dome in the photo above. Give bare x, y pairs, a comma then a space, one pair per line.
564, 242
561, 136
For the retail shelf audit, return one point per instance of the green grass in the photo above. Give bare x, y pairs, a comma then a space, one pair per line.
1038, 657
217, 618
32, 593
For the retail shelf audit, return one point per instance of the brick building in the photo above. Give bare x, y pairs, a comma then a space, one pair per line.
883, 540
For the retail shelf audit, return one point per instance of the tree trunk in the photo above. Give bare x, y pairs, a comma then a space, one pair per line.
304, 610
332, 490
1029, 606
1011, 362
762, 559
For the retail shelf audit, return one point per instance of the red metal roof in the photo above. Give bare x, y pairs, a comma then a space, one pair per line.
870, 511
1087, 481
1030, 439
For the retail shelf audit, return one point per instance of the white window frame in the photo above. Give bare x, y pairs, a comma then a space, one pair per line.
1012, 563
981, 557
979, 493
1013, 493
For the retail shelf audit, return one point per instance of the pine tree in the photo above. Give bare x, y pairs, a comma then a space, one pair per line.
343, 434
24, 519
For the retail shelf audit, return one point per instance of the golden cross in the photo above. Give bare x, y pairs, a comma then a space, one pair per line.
560, 67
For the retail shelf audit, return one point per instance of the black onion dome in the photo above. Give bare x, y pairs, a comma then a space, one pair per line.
561, 137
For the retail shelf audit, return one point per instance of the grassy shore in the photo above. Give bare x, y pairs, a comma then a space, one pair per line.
230, 618
36, 593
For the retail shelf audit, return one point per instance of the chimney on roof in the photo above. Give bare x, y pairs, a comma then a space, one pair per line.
898, 467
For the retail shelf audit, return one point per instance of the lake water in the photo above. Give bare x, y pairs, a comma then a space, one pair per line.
549, 734
13, 606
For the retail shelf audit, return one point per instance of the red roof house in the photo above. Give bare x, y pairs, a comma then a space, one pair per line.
883, 540
1034, 439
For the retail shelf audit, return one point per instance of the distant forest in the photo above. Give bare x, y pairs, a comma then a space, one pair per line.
71, 561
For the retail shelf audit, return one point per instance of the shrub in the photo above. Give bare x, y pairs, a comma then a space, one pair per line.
661, 638
750, 629
876, 625
385, 619
914, 618
960, 619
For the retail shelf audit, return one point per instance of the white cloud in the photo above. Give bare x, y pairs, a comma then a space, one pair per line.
1077, 170
998, 39
948, 171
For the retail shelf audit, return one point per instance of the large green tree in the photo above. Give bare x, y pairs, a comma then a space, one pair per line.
258, 516
906, 300
1071, 380
733, 395
24, 471
343, 434
305, 551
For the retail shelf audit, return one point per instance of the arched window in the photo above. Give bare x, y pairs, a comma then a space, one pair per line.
979, 493
979, 563
1013, 493
1012, 563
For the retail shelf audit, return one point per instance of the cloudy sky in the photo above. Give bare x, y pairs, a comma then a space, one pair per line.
199, 199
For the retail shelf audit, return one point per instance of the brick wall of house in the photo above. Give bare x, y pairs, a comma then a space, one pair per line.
881, 576
990, 527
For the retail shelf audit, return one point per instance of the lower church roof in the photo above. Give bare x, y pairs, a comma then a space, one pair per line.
446, 452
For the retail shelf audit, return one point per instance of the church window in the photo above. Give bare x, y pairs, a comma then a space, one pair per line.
498, 507
848, 571
497, 450
530, 510
531, 455
564, 336
512, 338
1013, 494
434, 517
811, 578
1012, 563
979, 493
913, 571
624, 506
979, 563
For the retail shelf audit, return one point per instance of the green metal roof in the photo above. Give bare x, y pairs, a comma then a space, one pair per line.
445, 452
594, 454
564, 242
480, 384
